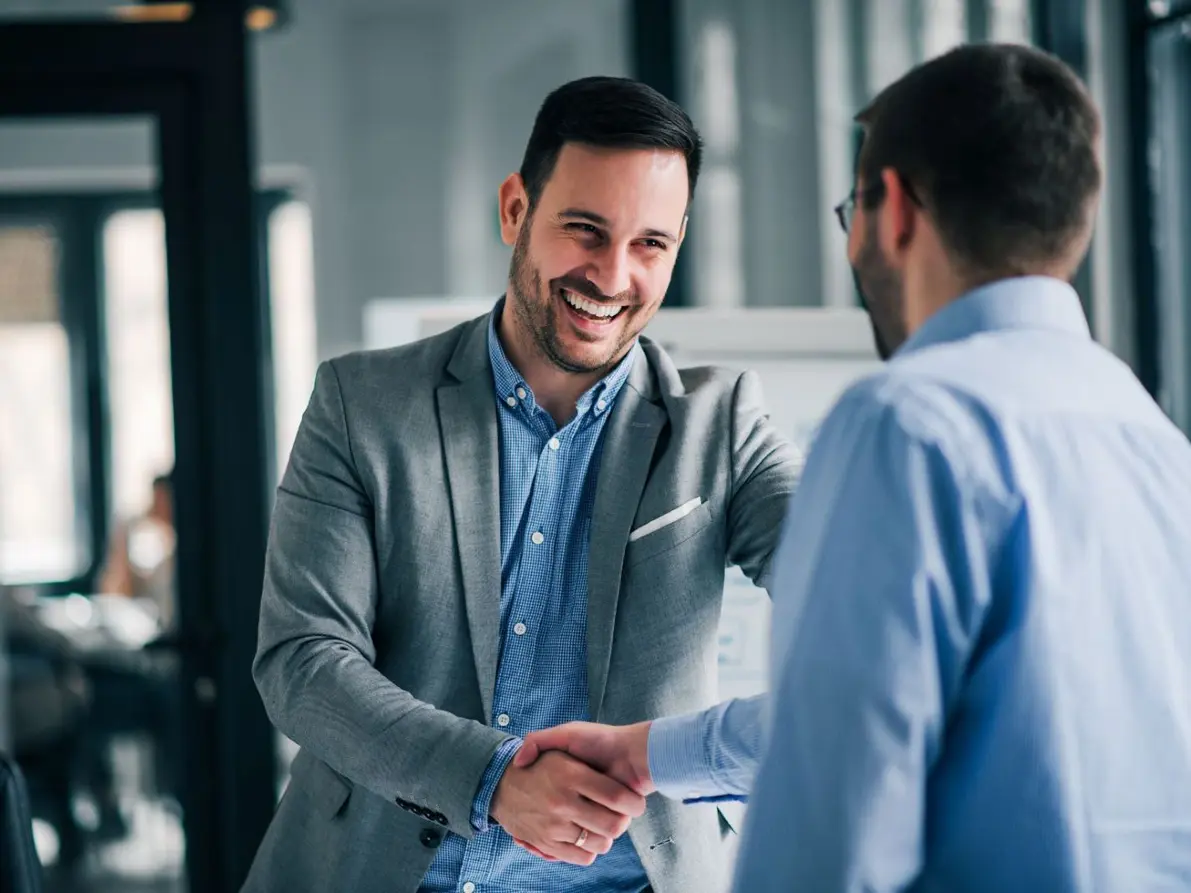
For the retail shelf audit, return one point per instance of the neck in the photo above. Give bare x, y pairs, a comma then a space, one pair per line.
929, 289
554, 389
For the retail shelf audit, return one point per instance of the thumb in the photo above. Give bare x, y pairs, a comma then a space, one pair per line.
527, 754
537, 743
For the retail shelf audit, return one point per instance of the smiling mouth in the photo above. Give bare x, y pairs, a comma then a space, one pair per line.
592, 310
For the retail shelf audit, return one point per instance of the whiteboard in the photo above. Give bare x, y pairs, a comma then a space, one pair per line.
805, 357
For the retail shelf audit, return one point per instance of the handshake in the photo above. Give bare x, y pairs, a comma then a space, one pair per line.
573, 789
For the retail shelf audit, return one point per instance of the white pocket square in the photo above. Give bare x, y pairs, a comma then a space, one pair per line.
665, 520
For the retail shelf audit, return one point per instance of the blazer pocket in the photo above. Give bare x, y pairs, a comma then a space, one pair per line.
668, 536
329, 790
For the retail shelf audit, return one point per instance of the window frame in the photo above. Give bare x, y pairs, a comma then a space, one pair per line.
78, 219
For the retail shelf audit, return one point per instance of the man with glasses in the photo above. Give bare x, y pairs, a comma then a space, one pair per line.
982, 630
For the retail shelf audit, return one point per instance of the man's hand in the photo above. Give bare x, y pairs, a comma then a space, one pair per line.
557, 802
622, 752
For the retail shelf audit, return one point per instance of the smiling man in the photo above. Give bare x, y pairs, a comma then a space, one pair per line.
519, 523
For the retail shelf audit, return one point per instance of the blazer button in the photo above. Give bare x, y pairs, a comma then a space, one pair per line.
430, 838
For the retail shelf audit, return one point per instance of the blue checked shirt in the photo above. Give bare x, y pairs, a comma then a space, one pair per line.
547, 491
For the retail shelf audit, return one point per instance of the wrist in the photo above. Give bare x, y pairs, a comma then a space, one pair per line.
638, 750
677, 757
484, 806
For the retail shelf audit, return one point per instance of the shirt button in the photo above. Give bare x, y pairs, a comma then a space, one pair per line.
554, 444
469, 887
600, 404
512, 401
521, 395
502, 720
519, 629
537, 538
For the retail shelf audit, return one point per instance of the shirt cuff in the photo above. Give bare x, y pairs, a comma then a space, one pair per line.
678, 761
709, 756
480, 820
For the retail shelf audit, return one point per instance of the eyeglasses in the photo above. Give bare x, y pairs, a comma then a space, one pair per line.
845, 211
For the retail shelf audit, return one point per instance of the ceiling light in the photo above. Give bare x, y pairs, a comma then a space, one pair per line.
261, 15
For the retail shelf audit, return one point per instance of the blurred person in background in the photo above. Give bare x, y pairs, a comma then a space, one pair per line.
140, 559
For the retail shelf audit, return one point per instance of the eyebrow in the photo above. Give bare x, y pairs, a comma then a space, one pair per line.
592, 217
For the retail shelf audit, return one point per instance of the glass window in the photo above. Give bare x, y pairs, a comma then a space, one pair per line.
1010, 21
138, 341
715, 227
41, 537
138, 346
1162, 8
945, 26
291, 305
1170, 79
774, 88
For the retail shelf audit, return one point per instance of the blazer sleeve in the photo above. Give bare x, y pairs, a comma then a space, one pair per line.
765, 470
315, 657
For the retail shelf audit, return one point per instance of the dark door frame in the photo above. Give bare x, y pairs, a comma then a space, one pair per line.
654, 46
192, 79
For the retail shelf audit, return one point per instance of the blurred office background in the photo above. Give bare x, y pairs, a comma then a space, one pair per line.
199, 202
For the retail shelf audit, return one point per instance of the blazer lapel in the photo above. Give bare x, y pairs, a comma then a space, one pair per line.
467, 414
630, 437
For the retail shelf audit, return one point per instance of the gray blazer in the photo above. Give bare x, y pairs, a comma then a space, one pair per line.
380, 619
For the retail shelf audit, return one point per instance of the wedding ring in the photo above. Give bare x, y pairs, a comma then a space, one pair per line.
582, 838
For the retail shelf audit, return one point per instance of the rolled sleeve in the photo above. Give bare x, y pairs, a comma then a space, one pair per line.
480, 807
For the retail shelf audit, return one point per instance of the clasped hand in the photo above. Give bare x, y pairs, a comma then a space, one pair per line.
572, 790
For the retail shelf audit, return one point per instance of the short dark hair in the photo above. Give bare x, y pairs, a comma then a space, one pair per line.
610, 113
999, 143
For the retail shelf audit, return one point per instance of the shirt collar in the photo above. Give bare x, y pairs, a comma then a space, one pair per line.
1026, 302
512, 389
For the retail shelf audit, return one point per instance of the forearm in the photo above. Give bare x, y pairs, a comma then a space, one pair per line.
329, 700
708, 755
315, 669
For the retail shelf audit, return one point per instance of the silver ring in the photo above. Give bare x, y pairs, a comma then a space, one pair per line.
582, 838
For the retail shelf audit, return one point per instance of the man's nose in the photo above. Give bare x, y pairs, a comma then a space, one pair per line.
611, 272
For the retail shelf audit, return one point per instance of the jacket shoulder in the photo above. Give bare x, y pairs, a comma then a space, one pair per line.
416, 366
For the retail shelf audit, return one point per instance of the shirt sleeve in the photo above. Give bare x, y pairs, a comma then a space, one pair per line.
880, 584
482, 804
707, 756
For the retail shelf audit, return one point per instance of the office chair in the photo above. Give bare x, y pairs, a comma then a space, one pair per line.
20, 870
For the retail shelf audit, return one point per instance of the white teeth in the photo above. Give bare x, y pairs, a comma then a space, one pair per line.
607, 311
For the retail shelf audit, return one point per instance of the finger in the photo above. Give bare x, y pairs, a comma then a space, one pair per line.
609, 793
533, 850
527, 754
557, 738
563, 851
597, 819
593, 842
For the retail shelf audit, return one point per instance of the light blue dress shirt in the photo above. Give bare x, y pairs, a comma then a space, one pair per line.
981, 663
547, 491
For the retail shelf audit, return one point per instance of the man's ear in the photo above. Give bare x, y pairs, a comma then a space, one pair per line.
898, 214
514, 208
